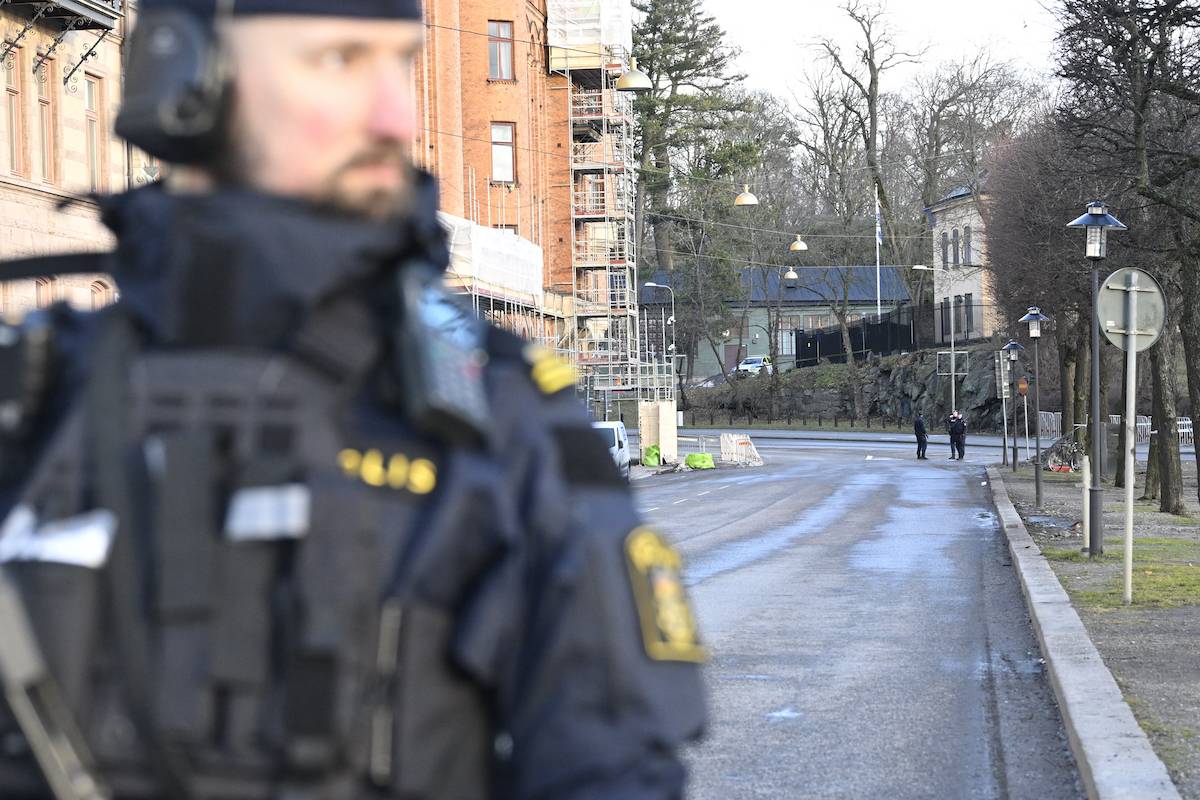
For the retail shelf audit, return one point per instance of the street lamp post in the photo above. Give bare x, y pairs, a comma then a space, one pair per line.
1013, 348
1035, 318
1097, 222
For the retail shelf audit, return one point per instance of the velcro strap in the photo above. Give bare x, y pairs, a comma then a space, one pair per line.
185, 522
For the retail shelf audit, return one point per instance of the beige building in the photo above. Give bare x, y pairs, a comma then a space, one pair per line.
61, 77
963, 293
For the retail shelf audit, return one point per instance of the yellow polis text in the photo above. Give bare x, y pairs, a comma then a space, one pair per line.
417, 475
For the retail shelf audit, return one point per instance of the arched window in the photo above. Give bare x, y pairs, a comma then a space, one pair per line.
966, 248
945, 249
102, 295
954, 244
43, 292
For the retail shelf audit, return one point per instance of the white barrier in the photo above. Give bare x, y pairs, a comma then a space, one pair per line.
1050, 424
737, 448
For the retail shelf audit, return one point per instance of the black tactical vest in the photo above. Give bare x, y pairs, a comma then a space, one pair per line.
249, 577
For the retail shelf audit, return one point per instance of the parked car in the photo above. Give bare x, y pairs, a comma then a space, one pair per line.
618, 444
755, 365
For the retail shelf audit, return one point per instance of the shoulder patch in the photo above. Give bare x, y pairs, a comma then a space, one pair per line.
668, 623
550, 373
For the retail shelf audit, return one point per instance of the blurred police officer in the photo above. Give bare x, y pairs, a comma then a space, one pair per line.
285, 522
922, 434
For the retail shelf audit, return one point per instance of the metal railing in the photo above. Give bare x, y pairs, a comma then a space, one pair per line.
1050, 424
599, 202
1144, 427
615, 298
602, 251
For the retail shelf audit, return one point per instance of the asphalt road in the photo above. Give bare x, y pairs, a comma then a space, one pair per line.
868, 634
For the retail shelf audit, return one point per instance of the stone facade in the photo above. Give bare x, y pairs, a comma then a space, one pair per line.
56, 146
962, 281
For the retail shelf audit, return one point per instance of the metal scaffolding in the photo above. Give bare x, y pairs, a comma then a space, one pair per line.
605, 342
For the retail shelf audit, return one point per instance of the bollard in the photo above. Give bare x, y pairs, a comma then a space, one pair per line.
1086, 469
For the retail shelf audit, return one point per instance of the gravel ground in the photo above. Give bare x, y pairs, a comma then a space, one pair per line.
1152, 647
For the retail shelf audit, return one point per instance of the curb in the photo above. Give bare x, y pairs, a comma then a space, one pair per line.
1114, 756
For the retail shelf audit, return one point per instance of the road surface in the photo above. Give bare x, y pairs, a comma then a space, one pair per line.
868, 634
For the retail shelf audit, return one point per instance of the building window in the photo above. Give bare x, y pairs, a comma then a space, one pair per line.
93, 101
15, 116
945, 317
500, 51
47, 165
966, 248
968, 310
945, 250
954, 245
43, 292
102, 295
504, 165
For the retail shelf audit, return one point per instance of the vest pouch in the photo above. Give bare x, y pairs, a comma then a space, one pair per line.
442, 743
338, 571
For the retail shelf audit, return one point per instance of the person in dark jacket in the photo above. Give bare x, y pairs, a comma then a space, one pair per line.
958, 435
922, 435
287, 521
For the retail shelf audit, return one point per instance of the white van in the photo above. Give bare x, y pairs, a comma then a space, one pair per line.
618, 444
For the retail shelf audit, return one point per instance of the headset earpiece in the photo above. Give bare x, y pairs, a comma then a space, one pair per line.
176, 88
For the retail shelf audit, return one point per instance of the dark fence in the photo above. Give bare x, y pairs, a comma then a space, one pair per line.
893, 332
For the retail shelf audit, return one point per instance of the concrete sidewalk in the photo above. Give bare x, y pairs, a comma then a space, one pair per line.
1114, 756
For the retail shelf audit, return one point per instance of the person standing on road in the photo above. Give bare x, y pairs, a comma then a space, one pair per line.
958, 435
287, 521
922, 436
950, 432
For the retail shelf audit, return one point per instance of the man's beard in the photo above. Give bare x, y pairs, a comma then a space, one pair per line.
373, 203
237, 165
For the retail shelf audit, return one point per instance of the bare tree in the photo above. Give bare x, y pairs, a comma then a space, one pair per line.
875, 53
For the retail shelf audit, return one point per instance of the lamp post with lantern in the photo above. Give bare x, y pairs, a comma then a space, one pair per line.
1097, 222
1035, 318
1013, 348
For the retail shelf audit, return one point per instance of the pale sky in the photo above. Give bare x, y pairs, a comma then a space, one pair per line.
776, 36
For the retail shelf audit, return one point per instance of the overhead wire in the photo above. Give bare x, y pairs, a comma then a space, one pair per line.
674, 171
733, 184
790, 233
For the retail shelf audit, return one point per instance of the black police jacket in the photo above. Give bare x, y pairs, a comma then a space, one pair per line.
254, 566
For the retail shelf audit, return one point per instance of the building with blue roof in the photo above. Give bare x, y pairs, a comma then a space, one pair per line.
806, 304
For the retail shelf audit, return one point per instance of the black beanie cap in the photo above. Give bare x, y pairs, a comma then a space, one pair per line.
375, 9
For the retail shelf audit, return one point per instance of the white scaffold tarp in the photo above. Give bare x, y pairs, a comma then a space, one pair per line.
494, 263
587, 23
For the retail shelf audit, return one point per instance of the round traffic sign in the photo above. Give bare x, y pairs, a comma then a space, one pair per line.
1023, 386
1151, 308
